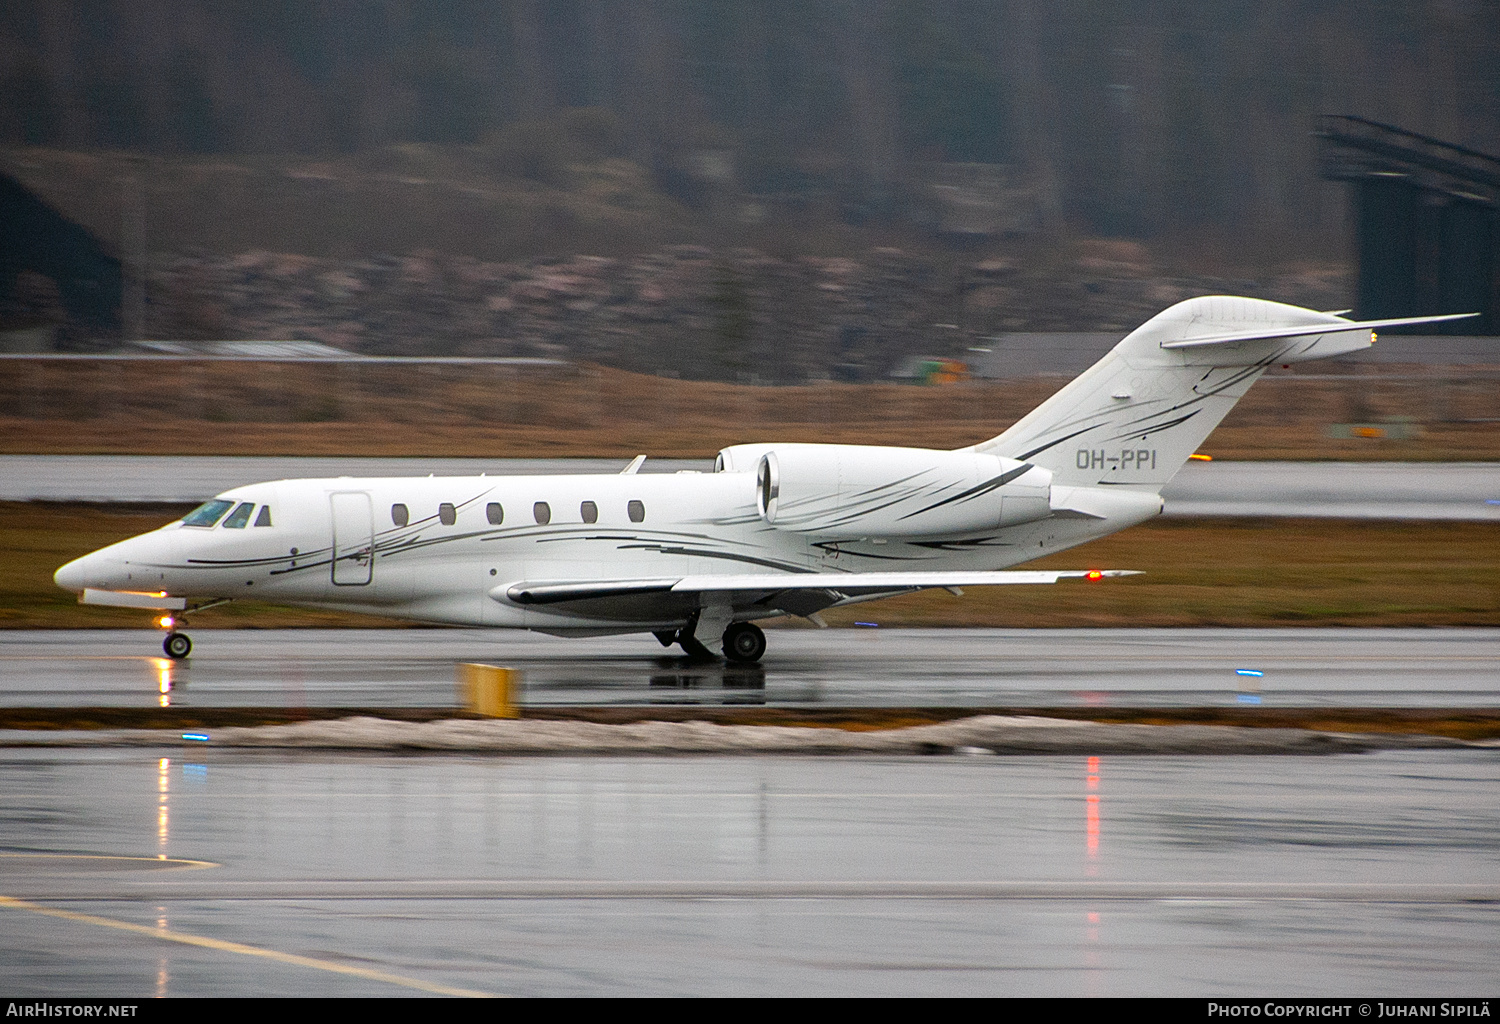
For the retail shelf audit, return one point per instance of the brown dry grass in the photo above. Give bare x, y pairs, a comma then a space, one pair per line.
1198, 573
486, 411
1313, 572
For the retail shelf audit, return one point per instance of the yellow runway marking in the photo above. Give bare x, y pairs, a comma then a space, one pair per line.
239, 947
170, 863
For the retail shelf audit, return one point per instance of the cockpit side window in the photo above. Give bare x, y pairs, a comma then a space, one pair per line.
264, 519
240, 517
207, 513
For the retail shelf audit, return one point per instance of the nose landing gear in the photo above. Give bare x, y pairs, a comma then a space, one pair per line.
177, 645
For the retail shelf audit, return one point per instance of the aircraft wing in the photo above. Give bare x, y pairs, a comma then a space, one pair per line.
541, 592
846, 581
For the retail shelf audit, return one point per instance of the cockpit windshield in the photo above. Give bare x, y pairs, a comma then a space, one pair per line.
207, 513
240, 517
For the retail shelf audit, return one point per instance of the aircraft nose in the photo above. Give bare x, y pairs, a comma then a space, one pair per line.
75, 575
102, 570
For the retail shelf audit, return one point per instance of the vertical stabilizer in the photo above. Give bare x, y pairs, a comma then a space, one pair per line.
1134, 417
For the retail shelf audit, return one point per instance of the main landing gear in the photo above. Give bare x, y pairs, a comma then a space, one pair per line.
743, 643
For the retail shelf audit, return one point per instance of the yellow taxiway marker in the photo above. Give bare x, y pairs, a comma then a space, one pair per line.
239, 947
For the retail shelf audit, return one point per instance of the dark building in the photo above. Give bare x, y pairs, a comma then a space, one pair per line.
1428, 223
35, 237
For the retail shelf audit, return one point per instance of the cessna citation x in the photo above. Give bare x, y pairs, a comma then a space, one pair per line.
776, 529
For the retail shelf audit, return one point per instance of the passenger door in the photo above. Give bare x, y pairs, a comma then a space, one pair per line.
353, 539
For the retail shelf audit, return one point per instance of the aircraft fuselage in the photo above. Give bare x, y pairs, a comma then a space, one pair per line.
430, 548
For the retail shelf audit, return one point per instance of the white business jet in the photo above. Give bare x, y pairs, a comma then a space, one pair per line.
776, 529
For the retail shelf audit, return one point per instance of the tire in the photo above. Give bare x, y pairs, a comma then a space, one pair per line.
177, 646
744, 642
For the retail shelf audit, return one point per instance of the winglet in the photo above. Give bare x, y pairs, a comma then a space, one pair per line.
634, 467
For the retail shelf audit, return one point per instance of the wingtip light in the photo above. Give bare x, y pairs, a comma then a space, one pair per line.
1201, 457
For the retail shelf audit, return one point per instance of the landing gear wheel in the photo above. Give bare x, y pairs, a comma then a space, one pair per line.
744, 642
693, 649
177, 646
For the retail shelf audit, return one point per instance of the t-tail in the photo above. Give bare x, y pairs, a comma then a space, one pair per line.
1134, 417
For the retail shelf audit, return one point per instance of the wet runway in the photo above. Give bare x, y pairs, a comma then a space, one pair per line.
804, 667
133, 873
1368, 490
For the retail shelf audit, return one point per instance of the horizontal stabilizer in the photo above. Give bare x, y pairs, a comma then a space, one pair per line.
843, 582
1308, 330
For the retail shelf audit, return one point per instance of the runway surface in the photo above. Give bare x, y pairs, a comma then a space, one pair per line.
804, 667
131, 873
176, 870
1369, 490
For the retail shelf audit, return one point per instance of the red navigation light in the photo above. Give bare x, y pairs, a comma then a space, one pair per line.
1095, 574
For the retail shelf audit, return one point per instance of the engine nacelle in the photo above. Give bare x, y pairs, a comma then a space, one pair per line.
848, 492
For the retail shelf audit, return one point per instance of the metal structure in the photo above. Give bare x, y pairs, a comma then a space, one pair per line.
1428, 222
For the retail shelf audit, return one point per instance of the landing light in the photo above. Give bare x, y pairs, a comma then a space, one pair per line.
166, 622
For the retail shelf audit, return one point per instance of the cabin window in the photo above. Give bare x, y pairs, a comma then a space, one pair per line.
399, 515
447, 514
543, 513
494, 513
264, 519
589, 511
207, 513
240, 517
637, 512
